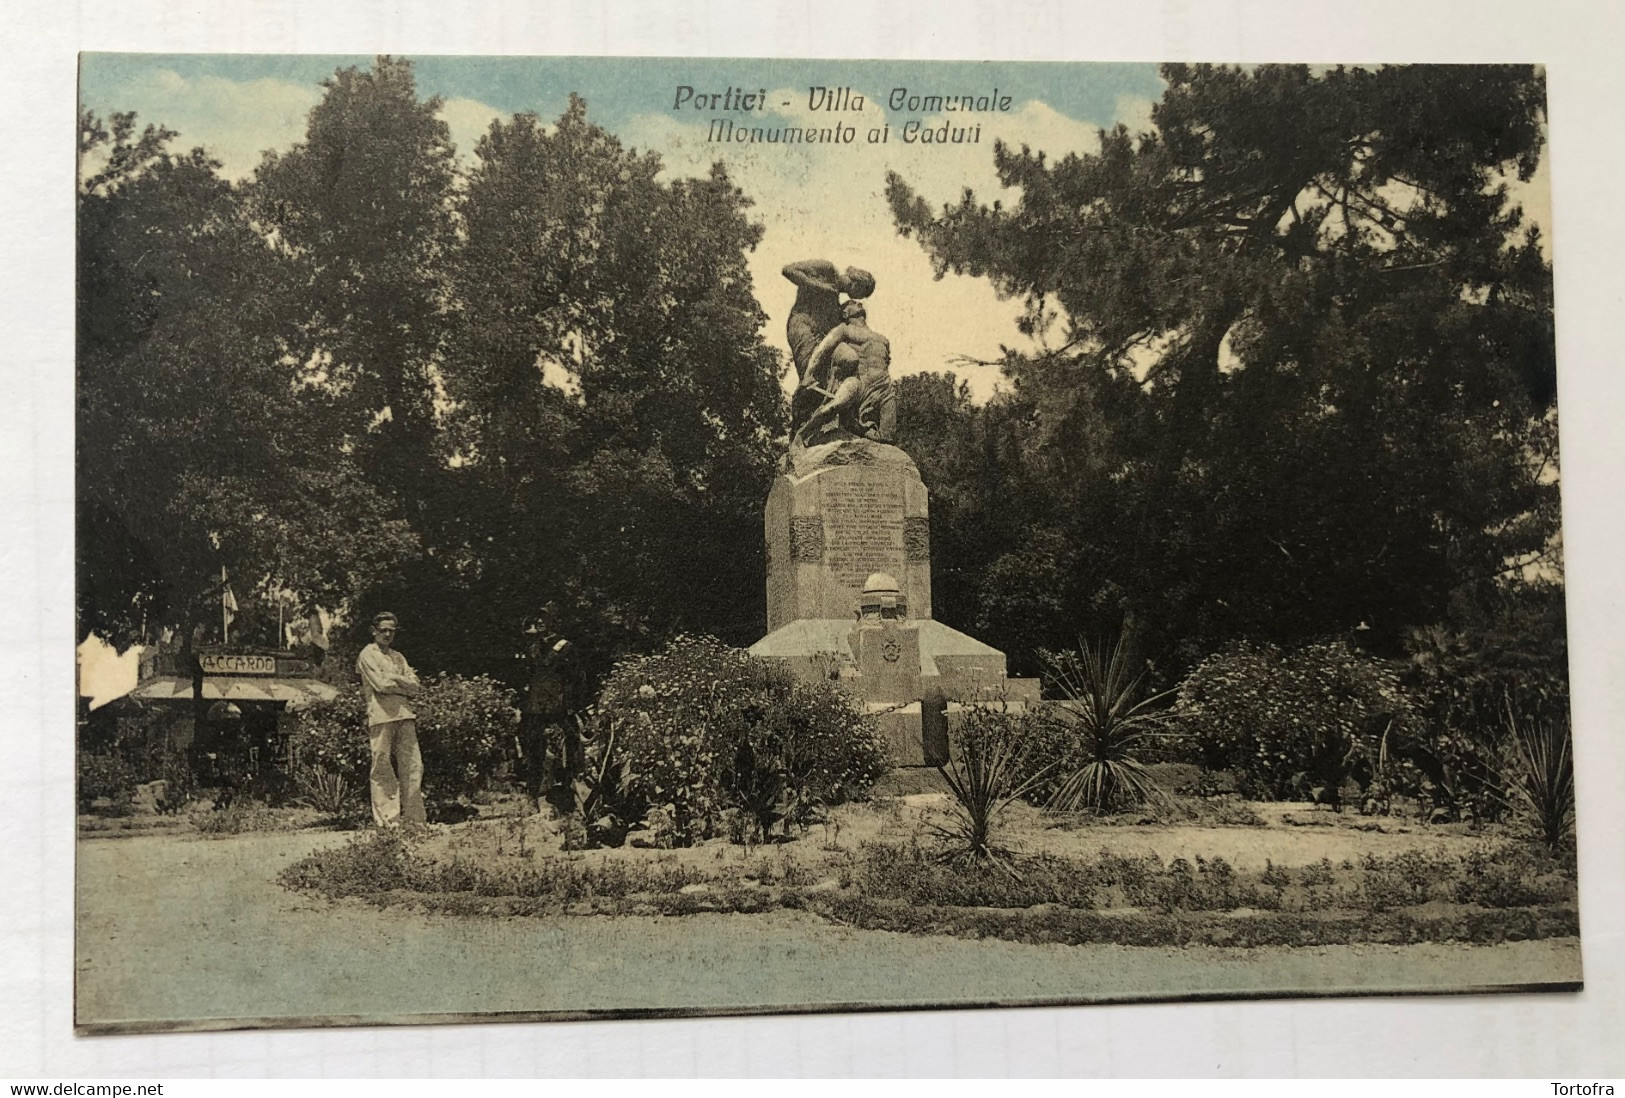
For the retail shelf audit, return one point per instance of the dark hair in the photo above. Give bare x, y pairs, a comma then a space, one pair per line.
862, 283
379, 619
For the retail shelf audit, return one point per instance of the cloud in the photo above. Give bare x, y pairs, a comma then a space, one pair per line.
1134, 111
468, 120
236, 121
828, 201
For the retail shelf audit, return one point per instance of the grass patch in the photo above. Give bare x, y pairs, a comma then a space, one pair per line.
1069, 926
1177, 811
1487, 895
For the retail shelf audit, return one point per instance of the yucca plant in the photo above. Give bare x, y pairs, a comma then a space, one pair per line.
324, 790
984, 777
1108, 724
1540, 780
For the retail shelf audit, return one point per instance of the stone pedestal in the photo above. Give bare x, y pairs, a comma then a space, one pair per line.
849, 598
840, 513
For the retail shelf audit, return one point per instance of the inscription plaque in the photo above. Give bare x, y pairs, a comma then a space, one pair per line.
863, 530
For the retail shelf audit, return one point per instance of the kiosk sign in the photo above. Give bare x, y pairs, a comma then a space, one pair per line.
225, 663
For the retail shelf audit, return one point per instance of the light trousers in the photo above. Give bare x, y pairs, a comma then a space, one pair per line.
397, 773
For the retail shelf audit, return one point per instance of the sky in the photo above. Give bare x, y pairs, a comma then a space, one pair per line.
814, 201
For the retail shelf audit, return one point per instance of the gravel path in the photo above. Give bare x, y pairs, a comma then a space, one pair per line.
189, 933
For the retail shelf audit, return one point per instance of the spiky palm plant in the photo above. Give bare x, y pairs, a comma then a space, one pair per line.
1109, 725
984, 777
324, 790
1540, 780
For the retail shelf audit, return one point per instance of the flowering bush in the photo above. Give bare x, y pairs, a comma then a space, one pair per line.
1286, 722
465, 731
331, 738
705, 728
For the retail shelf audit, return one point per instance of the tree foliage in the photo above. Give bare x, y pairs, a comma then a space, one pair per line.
613, 403
1301, 371
533, 385
362, 212
199, 446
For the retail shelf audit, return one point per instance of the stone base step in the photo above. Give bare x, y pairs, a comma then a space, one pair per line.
905, 781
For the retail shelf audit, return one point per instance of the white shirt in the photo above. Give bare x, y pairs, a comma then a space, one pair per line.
382, 674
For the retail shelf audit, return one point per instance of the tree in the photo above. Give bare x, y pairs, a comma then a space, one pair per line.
197, 440
1304, 378
539, 390
612, 403
1001, 567
362, 210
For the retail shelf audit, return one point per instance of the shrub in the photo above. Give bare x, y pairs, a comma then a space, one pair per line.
1539, 780
705, 727
1288, 723
331, 738
105, 774
1464, 671
465, 731
137, 752
1106, 724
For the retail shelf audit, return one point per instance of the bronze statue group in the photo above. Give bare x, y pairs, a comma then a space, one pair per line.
843, 366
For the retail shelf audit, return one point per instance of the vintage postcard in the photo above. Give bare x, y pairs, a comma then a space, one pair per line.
573, 537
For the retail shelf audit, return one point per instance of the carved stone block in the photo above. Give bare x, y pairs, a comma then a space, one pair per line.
807, 539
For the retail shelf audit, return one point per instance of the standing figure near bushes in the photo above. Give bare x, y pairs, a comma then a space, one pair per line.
387, 681
550, 752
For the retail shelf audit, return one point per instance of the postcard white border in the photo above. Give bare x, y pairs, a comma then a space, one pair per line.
1556, 1036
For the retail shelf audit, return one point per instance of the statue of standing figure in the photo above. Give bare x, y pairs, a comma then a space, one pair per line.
842, 365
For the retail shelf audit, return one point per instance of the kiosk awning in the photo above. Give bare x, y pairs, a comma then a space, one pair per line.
227, 688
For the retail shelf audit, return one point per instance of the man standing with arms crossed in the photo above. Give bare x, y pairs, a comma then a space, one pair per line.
387, 681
